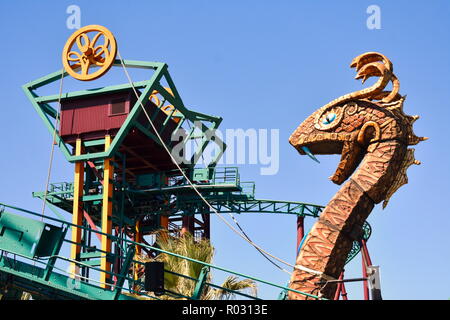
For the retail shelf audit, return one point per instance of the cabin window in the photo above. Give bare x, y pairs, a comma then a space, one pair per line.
118, 107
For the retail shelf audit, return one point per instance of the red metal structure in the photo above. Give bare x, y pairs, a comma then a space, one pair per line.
94, 117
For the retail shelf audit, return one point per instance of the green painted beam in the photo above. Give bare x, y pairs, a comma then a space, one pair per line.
261, 206
125, 268
91, 92
139, 64
198, 290
93, 143
65, 285
52, 77
50, 126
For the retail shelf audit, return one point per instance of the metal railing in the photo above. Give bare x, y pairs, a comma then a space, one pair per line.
248, 189
226, 175
127, 247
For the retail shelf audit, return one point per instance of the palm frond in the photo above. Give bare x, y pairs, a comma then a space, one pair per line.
201, 250
234, 284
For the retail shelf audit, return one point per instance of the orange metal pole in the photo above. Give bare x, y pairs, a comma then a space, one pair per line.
165, 222
188, 225
77, 210
138, 238
185, 225
91, 224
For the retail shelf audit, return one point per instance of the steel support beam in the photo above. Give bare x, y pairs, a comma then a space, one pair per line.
300, 231
108, 171
77, 213
137, 238
365, 258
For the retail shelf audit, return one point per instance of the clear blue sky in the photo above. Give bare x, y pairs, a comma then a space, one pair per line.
261, 65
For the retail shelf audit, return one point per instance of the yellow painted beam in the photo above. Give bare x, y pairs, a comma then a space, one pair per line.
108, 172
77, 211
138, 251
138, 236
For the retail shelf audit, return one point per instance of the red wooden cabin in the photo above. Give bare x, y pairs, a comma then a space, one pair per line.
93, 117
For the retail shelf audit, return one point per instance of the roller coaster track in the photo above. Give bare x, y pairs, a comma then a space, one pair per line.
224, 198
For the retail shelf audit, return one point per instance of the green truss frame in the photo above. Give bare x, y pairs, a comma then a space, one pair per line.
47, 112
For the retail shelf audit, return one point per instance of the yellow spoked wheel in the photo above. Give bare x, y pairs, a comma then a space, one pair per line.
98, 52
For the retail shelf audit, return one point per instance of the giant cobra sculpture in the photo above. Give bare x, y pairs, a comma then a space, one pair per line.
372, 133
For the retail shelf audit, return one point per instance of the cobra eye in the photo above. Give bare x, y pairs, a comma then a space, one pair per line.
329, 118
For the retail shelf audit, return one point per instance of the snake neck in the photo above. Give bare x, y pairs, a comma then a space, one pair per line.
330, 240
